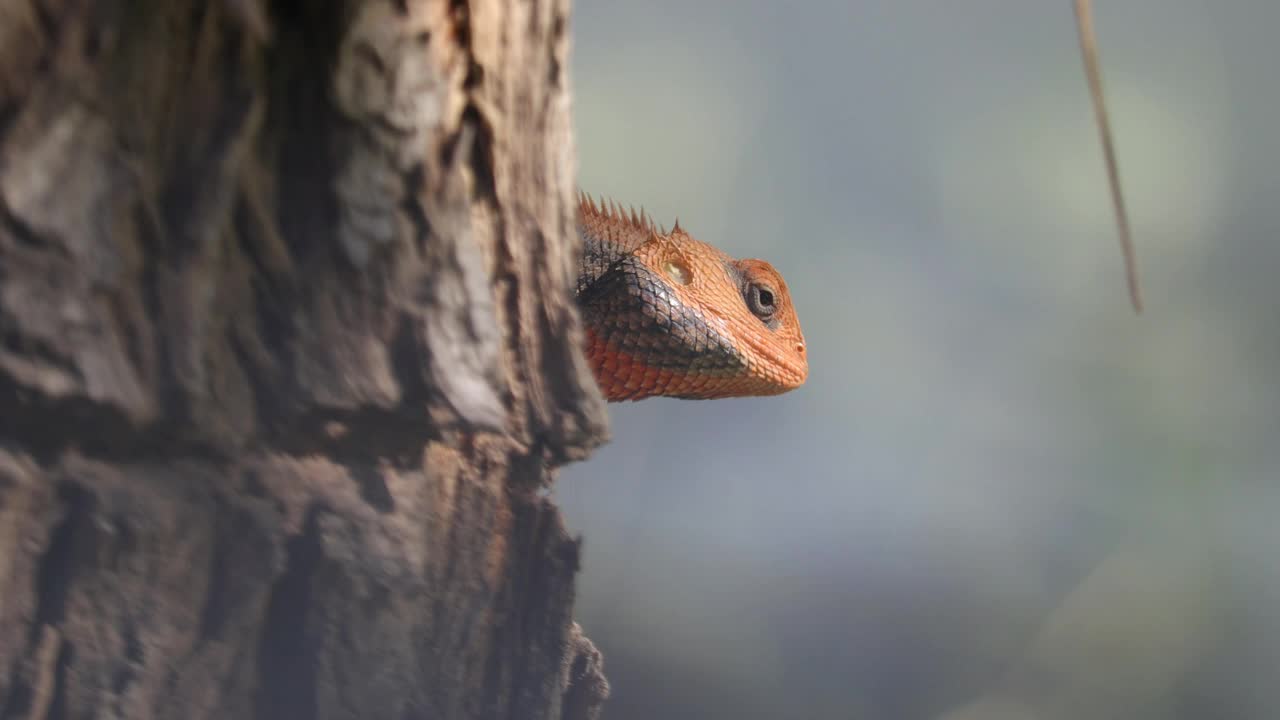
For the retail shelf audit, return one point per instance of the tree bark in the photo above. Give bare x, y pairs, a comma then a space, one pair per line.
287, 358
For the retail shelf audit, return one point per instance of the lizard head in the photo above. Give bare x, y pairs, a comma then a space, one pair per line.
670, 315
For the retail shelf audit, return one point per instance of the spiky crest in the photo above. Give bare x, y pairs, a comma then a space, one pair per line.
609, 211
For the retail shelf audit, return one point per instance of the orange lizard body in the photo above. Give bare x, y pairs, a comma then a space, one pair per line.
669, 315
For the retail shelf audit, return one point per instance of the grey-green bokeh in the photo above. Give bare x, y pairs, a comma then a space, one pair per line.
1000, 495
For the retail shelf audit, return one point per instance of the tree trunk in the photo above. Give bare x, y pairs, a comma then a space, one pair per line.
287, 356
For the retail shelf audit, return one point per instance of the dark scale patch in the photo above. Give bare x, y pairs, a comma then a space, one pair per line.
739, 279
598, 256
633, 310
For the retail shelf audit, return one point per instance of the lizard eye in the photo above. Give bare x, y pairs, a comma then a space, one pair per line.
761, 301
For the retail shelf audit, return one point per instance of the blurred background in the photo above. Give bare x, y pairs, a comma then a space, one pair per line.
1000, 494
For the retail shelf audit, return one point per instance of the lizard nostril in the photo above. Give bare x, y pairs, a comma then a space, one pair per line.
800, 348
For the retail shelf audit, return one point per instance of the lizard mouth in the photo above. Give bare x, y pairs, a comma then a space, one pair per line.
789, 368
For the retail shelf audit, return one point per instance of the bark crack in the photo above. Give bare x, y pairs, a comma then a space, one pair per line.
287, 660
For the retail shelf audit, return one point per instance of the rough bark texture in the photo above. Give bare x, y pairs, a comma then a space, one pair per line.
287, 355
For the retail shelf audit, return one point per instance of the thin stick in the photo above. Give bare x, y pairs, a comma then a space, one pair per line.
1089, 49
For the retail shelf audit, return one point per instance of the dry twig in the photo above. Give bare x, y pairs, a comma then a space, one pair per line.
1089, 50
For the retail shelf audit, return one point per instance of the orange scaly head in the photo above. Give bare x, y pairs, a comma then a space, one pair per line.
670, 315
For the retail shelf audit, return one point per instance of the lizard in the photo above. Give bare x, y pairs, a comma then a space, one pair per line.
668, 315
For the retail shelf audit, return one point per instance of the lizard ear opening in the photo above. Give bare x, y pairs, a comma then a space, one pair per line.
678, 272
